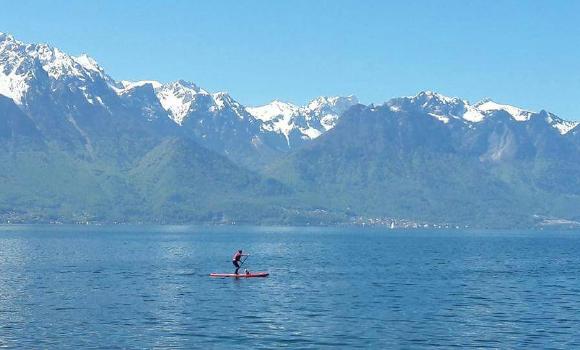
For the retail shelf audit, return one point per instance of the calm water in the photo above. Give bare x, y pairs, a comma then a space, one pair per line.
147, 287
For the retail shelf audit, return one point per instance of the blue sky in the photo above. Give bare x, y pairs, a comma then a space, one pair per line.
525, 53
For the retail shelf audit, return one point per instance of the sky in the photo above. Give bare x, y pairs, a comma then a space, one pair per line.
524, 53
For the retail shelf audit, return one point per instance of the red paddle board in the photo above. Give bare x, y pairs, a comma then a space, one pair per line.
240, 275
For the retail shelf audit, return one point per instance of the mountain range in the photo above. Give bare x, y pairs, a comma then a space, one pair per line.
79, 146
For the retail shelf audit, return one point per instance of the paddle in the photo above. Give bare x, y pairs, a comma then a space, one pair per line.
243, 261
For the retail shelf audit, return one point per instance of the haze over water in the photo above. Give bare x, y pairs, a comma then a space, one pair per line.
148, 286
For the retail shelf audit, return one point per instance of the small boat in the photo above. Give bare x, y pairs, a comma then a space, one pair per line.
240, 275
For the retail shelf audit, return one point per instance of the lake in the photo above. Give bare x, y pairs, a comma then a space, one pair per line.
148, 287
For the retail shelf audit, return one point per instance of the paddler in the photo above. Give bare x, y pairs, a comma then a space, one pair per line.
236, 259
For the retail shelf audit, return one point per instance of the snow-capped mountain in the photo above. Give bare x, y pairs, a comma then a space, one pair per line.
181, 98
216, 120
447, 109
74, 140
70, 95
302, 123
74, 96
22, 67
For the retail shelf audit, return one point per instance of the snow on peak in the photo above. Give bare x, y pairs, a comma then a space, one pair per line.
441, 107
15, 68
60, 65
445, 109
186, 85
318, 116
518, 114
88, 63
327, 110
223, 100
177, 98
472, 114
130, 85
563, 126
455, 108
6, 37
20, 62
434, 97
336, 104
181, 97
274, 110
277, 116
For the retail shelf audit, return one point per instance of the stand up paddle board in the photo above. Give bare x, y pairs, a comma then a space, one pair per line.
240, 275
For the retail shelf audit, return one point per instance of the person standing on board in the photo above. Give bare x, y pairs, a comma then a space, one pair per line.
236, 259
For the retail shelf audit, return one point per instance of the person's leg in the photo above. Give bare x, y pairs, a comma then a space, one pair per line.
237, 265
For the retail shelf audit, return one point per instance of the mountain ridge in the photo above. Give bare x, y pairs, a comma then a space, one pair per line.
75, 140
